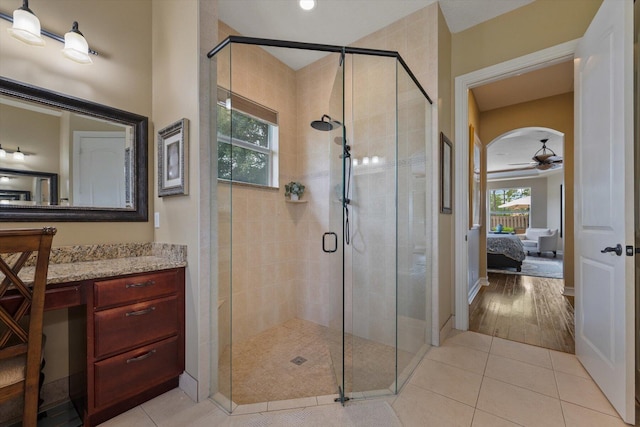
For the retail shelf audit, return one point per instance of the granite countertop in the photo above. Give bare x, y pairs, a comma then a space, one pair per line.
86, 262
73, 272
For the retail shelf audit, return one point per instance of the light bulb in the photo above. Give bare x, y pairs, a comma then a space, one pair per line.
355, 162
307, 4
4, 179
365, 160
375, 159
18, 155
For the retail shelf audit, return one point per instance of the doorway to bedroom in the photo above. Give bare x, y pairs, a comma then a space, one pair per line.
523, 298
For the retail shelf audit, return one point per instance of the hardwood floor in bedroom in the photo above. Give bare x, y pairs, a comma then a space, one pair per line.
526, 309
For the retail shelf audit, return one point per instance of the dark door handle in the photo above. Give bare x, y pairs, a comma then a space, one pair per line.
617, 249
335, 242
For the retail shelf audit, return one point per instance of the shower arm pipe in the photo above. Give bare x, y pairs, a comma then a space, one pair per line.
321, 48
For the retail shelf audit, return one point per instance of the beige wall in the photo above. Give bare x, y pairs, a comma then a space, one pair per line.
446, 300
177, 78
34, 133
554, 112
121, 31
536, 26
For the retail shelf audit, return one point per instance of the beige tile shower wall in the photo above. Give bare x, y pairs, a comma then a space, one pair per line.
415, 38
371, 126
321, 279
258, 230
373, 245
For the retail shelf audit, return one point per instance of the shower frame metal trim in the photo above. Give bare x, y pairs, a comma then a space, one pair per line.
319, 47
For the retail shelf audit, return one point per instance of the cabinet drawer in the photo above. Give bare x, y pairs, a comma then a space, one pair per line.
131, 289
127, 374
125, 327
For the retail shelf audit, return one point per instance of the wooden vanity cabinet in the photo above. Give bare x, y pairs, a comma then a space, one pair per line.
134, 341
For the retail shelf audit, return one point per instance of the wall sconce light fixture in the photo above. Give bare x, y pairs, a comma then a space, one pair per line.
76, 47
26, 28
17, 155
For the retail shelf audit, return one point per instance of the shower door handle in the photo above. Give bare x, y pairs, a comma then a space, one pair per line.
324, 242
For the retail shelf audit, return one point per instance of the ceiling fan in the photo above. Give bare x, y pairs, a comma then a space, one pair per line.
543, 159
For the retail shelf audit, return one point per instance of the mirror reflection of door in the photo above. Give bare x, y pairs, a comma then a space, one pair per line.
99, 169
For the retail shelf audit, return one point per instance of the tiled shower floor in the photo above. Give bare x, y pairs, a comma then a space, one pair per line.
263, 369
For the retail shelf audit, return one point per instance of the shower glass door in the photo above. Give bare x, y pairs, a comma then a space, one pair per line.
334, 239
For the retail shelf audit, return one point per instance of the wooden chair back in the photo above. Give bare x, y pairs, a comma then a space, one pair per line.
16, 248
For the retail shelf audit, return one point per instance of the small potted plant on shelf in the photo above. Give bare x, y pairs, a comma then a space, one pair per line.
293, 190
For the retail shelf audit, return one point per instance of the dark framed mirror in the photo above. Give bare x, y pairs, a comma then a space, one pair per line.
77, 160
28, 188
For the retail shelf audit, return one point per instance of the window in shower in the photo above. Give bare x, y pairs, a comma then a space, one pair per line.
247, 140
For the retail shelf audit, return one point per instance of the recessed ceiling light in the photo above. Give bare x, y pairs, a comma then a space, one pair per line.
307, 4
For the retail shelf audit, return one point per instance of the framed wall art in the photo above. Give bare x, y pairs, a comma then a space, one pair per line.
173, 159
446, 174
475, 159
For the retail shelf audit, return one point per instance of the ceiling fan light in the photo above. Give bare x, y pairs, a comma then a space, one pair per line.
544, 166
76, 47
26, 26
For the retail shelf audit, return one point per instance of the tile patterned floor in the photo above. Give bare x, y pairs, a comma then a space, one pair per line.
472, 380
263, 369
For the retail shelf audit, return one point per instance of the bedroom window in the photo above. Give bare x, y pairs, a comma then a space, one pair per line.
510, 207
247, 135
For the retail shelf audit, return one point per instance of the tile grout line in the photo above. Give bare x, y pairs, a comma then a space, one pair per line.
475, 406
147, 414
555, 379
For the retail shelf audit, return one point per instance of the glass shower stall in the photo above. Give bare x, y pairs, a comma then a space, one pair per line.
327, 296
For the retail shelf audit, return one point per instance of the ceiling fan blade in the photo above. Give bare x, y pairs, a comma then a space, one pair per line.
554, 159
518, 164
513, 170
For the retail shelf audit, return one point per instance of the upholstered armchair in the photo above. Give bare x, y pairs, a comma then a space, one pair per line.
540, 240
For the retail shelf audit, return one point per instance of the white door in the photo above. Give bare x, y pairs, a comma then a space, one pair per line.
604, 199
99, 175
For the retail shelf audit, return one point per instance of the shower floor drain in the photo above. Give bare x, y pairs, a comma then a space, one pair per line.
298, 360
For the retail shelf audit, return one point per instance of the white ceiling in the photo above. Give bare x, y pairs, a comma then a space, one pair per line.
515, 151
342, 22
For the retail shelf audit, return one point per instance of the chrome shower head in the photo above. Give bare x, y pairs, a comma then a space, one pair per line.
325, 125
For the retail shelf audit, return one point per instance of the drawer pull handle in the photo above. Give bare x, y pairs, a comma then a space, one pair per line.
140, 312
141, 357
141, 284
